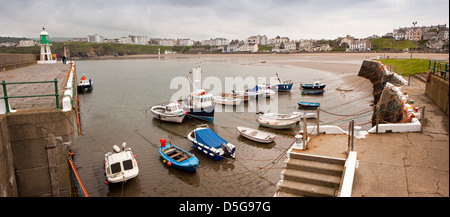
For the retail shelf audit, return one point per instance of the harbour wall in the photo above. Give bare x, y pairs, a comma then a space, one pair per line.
13, 61
438, 91
34, 143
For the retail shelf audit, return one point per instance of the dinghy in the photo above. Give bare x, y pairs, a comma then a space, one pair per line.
256, 135
173, 112
279, 121
120, 165
177, 157
209, 143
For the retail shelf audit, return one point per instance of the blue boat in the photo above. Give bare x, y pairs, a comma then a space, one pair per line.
282, 86
178, 158
209, 143
309, 104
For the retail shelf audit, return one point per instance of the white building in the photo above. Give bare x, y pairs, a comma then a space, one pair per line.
26, 43
185, 42
95, 38
142, 40
248, 47
168, 42
360, 45
219, 42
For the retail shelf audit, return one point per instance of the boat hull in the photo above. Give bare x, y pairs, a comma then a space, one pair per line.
205, 113
213, 153
277, 124
312, 91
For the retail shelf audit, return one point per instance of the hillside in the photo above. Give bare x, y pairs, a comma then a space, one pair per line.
390, 44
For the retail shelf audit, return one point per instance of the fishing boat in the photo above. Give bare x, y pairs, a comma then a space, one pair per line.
281, 86
256, 135
120, 165
172, 112
308, 104
198, 104
209, 143
85, 85
177, 157
227, 100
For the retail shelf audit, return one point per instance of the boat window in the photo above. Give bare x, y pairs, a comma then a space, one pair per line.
127, 165
115, 168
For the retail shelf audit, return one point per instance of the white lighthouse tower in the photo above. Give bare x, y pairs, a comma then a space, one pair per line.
46, 53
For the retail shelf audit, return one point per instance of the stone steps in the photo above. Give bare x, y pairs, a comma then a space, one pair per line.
311, 176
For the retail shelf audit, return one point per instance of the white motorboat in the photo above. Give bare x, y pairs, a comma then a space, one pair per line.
120, 165
173, 112
256, 135
263, 90
227, 100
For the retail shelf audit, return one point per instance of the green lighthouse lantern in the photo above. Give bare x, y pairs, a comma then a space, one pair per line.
44, 37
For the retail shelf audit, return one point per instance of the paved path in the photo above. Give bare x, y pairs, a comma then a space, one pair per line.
398, 164
38, 72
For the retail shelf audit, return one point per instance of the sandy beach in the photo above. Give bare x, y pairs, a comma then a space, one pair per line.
338, 63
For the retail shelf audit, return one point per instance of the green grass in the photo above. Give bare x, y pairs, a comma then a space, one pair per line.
386, 44
408, 66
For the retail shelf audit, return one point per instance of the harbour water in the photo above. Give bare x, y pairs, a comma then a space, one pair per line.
116, 111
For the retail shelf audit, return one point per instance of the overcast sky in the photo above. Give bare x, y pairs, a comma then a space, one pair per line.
205, 19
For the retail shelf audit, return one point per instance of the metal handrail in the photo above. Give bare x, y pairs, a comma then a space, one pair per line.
6, 97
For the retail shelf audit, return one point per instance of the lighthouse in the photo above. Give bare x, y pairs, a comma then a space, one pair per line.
46, 53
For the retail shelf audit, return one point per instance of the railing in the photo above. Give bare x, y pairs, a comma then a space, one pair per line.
442, 67
75, 178
6, 97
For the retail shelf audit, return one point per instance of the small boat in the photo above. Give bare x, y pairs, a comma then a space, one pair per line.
173, 112
243, 97
209, 143
277, 124
120, 165
256, 135
248, 95
279, 121
227, 100
282, 86
308, 104
85, 85
262, 90
177, 157
279, 116
316, 85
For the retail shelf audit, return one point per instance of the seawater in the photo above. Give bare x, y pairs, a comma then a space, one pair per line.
116, 111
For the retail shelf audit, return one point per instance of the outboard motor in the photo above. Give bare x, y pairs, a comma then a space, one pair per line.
229, 149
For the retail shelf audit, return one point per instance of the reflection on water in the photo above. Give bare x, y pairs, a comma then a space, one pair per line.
117, 111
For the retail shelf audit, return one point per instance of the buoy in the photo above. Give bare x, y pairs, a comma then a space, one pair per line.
163, 142
164, 161
169, 163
